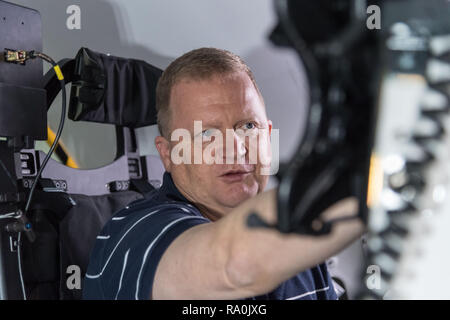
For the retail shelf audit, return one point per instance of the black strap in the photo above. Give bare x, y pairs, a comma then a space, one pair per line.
142, 186
59, 203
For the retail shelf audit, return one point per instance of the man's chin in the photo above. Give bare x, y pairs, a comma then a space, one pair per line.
234, 198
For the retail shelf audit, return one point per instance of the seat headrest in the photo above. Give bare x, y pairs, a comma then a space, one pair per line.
113, 90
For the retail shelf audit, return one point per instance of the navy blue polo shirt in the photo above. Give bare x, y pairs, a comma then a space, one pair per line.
128, 249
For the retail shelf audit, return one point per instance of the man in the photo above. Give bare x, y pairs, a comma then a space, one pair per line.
190, 239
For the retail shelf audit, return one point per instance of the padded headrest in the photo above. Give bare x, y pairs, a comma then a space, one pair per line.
113, 90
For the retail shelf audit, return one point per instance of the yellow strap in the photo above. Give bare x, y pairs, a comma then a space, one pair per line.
51, 137
58, 72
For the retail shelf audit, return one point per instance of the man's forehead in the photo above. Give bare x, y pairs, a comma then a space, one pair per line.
217, 88
215, 97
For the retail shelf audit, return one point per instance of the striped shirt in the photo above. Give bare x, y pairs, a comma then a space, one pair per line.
127, 251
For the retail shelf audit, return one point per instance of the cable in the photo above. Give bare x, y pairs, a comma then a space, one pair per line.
20, 57
19, 265
61, 123
8, 215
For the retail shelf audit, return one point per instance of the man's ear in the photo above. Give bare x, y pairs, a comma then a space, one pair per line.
163, 147
269, 122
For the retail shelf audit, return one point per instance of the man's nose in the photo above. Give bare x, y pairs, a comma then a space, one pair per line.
234, 147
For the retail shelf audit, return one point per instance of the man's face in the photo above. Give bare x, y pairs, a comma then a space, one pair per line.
220, 103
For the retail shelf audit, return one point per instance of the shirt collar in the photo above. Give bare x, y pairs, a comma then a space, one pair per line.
169, 190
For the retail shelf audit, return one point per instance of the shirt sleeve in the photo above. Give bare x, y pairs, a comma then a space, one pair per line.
163, 243
130, 259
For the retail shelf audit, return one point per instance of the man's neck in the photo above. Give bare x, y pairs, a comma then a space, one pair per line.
209, 213
212, 213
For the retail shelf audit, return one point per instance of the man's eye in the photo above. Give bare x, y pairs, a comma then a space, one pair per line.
249, 126
207, 133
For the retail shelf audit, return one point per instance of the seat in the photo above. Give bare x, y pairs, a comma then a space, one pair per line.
70, 206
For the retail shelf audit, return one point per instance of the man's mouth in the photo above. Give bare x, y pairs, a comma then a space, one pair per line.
235, 175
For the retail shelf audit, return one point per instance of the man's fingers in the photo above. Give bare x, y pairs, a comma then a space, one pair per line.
347, 207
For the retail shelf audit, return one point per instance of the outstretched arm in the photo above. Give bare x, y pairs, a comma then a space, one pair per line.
227, 260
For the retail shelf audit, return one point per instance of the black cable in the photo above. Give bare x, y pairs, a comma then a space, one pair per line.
60, 127
32, 55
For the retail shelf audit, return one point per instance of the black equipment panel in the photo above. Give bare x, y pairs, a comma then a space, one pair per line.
20, 29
